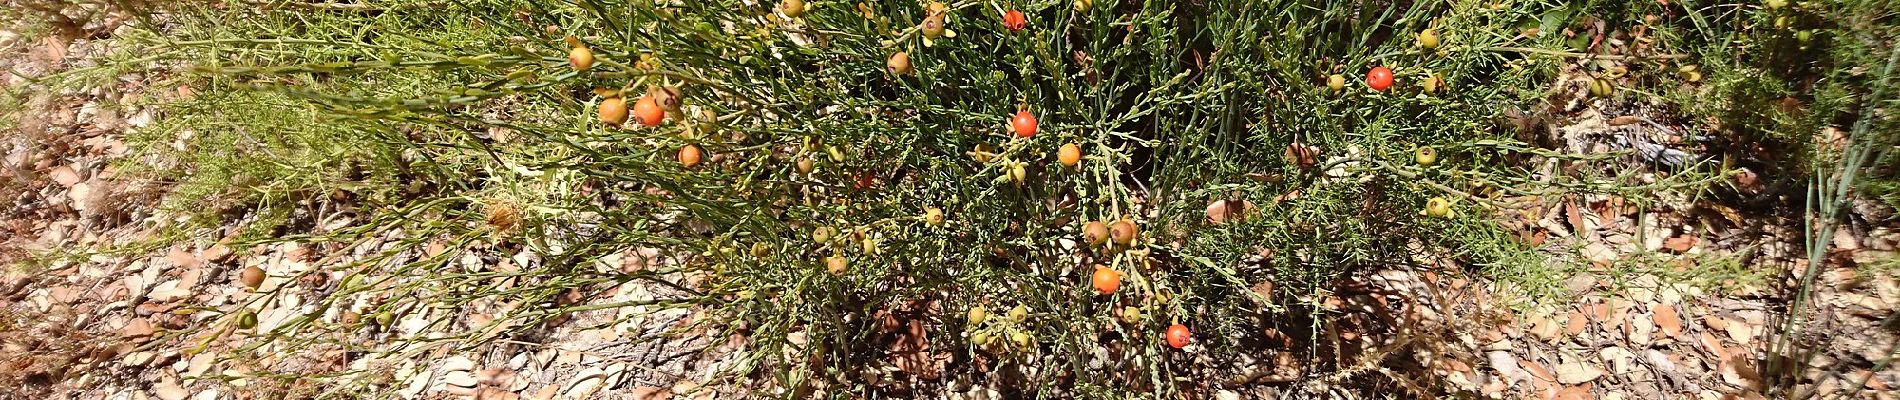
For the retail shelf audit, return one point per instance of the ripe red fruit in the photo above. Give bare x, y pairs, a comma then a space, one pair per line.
649, 111
1380, 78
1106, 280
1015, 21
1024, 123
1178, 336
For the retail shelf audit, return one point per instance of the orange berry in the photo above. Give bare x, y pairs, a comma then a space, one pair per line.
1179, 336
898, 64
613, 111
1106, 280
1069, 154
581, 58
649, 111
690, 155
1015, 20
836, 265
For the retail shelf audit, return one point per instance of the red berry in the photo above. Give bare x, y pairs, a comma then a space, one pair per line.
1024, 123
1015, 21
1380, 78
1178, 336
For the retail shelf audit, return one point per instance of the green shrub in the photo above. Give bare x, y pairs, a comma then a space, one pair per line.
440, 119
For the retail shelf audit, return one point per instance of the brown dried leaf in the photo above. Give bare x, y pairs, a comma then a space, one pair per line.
1713, 345
651, 393
64, 175
137, 328
1578, 322
1716, 322
1740, 371
1578, 392
491, 393
1577, 372
1288, 196
1573, 214
1543, 376
1668, 320
1679, 244
183, 259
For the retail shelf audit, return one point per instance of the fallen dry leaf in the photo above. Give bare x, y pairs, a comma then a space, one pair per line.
1578, 322
492, 393
547, 392
1542, 376
183, 259
1679, 244
1713, 345
168, 389
1641, 326
1545, 327
1573, 214
1741, 332
1715, 322
1507, 366
1576, 372
1618, 359
137, 328
651, 393
1578, 392
1668, 320
1740, 371
64, 175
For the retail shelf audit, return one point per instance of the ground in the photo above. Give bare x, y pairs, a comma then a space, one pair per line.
1676, 299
